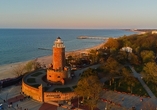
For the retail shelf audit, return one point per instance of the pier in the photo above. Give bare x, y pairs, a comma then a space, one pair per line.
88, 37
44, 49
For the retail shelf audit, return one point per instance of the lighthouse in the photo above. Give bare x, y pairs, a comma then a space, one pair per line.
58, 72
58, 55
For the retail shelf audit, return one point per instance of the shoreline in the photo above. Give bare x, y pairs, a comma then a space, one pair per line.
5, 70
139, 32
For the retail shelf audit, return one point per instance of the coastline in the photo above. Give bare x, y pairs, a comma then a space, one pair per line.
6, 70
138, 31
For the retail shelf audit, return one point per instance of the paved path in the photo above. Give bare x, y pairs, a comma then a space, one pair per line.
138, 76
47, 106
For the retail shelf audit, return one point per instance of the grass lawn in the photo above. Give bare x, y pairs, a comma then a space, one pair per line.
137, 89
31, 80
37, 74
66, 89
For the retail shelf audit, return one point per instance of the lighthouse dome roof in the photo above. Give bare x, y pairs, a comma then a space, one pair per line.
59, 43
58, 40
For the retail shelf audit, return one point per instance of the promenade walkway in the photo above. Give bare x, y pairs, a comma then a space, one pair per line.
12, 95
122, 101
138, 76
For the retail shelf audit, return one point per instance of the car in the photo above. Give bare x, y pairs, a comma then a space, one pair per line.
1, 106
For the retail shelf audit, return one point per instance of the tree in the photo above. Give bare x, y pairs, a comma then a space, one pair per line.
88, 72
112, 43
150, 71
121, 57
125, 74
128, 78
90, 88
131, 81
18, 70
112, 68
93, 54
29, 66
113, 51
147, 56
134, 59
32, 65
111, 65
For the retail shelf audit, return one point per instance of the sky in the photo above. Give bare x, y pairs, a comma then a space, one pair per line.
78, 14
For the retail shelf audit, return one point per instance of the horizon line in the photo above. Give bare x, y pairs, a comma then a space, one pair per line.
88, 28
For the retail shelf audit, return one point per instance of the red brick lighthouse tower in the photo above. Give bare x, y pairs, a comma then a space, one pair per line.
58, 55
58, 72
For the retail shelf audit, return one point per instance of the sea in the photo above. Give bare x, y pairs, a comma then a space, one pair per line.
17, 45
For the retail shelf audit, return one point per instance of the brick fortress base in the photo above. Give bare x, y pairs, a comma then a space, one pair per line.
57, 76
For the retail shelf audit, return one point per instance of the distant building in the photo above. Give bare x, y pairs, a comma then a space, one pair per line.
154, 32
127, 49
142, 33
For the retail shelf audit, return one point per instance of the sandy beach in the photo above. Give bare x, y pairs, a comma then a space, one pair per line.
6, 70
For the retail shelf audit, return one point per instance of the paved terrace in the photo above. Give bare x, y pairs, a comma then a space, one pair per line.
118, 101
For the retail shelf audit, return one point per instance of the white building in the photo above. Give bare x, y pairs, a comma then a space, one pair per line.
154, 32
127, 49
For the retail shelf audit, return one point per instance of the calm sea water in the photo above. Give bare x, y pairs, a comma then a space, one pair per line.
18, 45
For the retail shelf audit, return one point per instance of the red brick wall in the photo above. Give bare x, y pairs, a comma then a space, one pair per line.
53, 75
31, 91
47, 96
58, 58
56, 96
